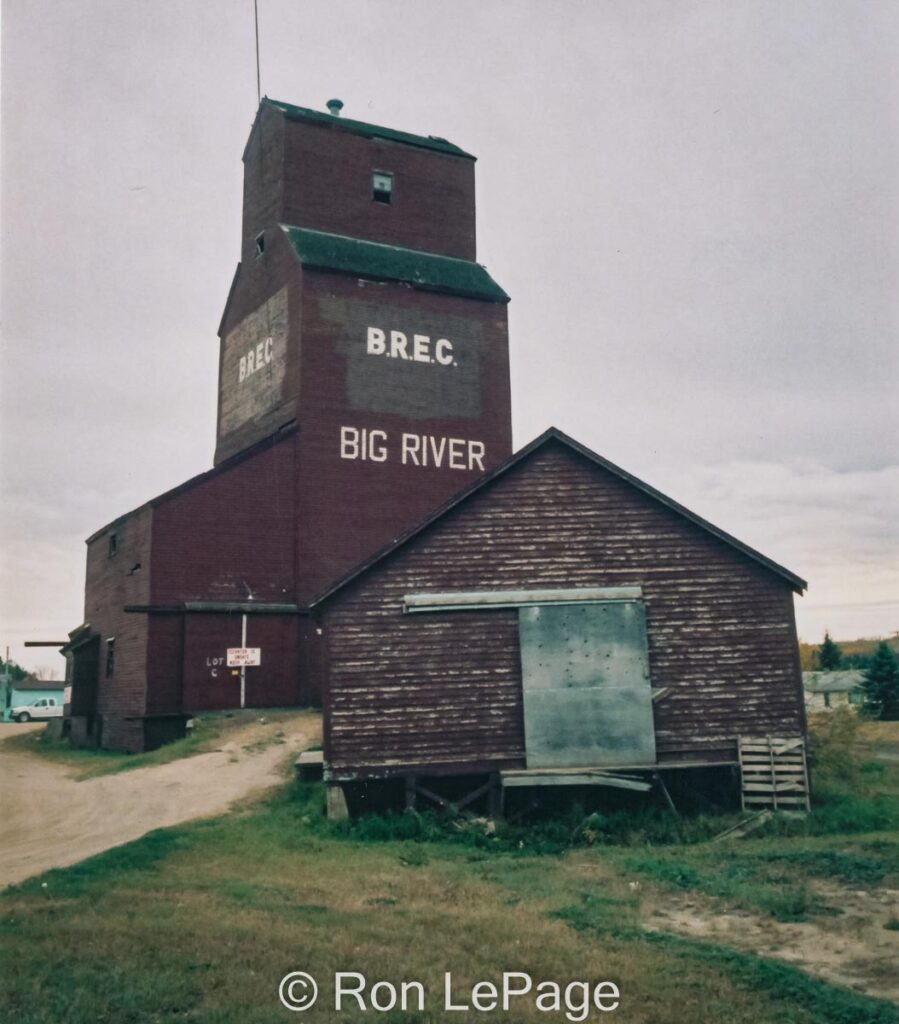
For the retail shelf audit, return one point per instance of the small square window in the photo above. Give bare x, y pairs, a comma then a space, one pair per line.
381, 186
113, 545
260, 244
110, 656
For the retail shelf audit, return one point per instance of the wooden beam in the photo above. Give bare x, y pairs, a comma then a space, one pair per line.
660, 782
575, 779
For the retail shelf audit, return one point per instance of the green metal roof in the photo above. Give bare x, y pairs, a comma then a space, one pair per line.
370, 131
426, 270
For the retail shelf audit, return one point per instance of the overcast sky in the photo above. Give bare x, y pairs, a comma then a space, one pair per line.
694, 206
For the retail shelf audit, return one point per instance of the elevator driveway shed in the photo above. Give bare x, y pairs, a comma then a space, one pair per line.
559, 618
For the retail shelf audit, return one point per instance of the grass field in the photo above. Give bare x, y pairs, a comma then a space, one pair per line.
199, 923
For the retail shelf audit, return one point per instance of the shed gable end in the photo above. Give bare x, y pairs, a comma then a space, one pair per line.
720, 628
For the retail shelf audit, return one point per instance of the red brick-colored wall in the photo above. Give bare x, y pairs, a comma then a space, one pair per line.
320, 176
165, 656
111, 584
446, 688
230, 535
210, 685
286, 515
350, 508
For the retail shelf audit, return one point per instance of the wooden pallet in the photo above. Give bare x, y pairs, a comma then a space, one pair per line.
774, 773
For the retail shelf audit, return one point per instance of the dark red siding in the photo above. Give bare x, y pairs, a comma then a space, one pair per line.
283, 515
210, 685
349, 509
111, 584
446, 688
230, 536
165, 659
320, 177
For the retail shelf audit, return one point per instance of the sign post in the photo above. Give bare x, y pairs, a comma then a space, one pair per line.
243, 667
241, 657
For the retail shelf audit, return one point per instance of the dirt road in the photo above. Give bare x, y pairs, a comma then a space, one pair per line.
50, 820
858, 948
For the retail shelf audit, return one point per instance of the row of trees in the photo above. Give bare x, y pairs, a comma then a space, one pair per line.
880, 682
830, 657
16, 672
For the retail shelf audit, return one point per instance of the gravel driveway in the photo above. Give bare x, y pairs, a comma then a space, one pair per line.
50, 820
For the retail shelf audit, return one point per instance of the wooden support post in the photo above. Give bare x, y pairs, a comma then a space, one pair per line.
773, 773
495, 797
660, 782
336, 802
411, 791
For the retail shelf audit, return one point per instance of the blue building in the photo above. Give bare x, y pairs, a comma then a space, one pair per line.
14, 693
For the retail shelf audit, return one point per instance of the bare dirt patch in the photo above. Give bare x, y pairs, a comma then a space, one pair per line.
51, 819
854, 948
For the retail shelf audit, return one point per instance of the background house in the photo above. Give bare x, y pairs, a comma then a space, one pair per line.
825, 691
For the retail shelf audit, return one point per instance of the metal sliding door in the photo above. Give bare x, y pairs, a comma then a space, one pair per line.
587, 693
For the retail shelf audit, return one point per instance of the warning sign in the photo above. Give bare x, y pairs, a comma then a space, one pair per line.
244, 656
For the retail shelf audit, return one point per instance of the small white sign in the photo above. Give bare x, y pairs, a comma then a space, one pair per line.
67, 695
244, 656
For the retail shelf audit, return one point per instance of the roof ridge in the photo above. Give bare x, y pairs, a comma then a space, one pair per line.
555, 434
430, 271
366, 128
383, 245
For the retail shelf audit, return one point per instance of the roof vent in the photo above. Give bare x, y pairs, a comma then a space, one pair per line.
334, 107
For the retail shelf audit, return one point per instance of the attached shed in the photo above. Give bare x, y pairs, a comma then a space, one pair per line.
558, 618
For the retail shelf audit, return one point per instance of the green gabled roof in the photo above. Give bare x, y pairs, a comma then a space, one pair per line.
426, 270
370, 131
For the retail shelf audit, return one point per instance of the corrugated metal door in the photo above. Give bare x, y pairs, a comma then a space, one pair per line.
587, 693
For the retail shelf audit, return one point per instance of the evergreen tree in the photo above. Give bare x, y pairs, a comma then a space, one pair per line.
829, 654
880, 685
16, 672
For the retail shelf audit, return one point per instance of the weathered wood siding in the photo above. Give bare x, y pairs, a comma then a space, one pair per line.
443, 691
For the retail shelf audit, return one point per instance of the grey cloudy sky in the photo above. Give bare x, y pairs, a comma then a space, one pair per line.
693, 203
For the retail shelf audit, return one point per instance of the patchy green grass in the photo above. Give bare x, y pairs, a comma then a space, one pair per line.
199, 923
848, 838
768, 878
211, 731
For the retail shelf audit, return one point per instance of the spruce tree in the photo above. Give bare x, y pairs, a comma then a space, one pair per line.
880, 684
829, 654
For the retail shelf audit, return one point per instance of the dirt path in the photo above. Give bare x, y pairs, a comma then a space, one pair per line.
854, 949
49, 820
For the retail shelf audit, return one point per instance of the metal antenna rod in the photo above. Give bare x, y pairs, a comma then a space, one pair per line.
258, 80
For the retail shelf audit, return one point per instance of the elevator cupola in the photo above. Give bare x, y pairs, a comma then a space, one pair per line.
331, 173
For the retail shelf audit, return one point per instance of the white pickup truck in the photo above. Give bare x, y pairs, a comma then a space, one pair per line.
43, 707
